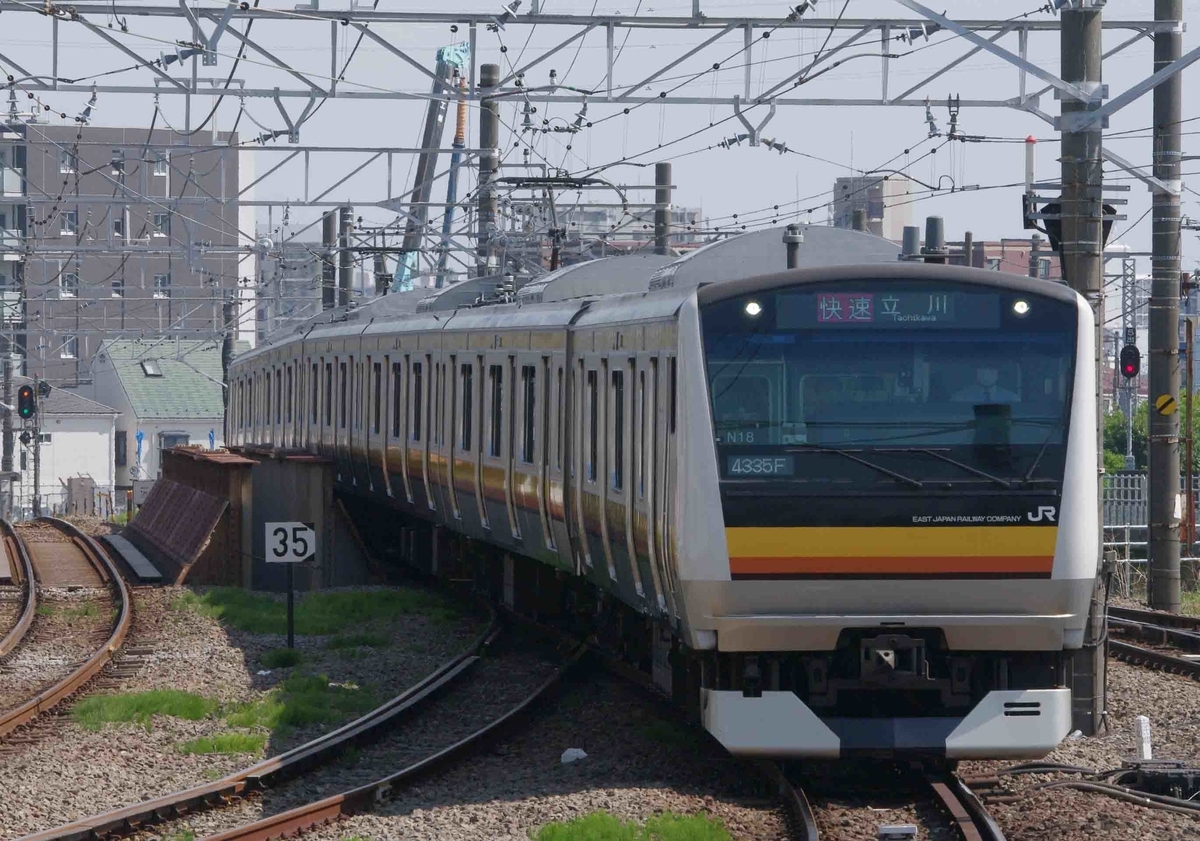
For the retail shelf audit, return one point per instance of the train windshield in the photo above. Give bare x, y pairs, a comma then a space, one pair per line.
878, 380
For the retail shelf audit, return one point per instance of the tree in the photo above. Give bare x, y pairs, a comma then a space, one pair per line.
1114, 436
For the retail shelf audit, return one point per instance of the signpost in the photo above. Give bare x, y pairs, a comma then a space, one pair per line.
290, 543
141, 491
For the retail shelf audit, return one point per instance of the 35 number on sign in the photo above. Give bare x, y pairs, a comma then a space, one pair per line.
290, 543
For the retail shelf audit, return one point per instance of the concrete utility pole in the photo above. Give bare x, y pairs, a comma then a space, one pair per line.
1082, 253
1164, 320
227, 316
328, 264
485, 198
345, 256
6, 460
662, 208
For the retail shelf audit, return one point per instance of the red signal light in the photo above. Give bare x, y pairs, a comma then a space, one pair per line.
1130, 361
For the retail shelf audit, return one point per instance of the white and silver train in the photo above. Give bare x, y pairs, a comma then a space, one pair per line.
841, 511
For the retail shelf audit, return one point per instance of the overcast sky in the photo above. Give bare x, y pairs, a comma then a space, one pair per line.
721, 181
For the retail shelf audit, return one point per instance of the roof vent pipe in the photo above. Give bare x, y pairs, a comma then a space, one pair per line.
935, 250
910, 248
859, 220
792, 237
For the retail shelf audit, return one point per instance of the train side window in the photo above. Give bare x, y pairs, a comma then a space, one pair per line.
397, 405
439, 379
529, 407
496, 382
415, 384
278, 397
468, 398
673, 387
288, 371
560, 408
328, 394
313, 393
593, 398
267, 399
342, 384
378, 371
641, 419
618, 394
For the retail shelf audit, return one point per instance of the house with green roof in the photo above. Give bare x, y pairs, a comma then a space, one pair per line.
167, 392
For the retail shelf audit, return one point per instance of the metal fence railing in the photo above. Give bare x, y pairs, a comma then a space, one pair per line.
1125, 506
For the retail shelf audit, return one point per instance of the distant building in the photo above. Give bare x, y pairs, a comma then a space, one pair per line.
586, 223
77, 436
167, 391
1010, 255
884, 199
289, 286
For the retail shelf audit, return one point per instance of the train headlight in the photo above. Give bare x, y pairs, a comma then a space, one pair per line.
1021, 307
753, 308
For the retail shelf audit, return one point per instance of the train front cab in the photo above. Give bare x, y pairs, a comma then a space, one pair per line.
905, 465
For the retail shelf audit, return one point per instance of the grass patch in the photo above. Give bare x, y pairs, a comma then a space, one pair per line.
282, 658
316, 613
186, 835
302, 700
360, 640
95, 711
87, 610
44, 610
225, 743
601, 826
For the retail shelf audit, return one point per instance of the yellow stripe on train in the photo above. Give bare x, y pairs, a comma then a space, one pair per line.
902, 550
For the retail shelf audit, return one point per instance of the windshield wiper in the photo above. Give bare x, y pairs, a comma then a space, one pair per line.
818, 448
1004, 483
1038, 458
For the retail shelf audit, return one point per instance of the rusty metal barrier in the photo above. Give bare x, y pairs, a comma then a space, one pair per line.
18, 552
75, 681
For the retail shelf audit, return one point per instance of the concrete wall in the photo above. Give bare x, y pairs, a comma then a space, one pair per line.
301, 490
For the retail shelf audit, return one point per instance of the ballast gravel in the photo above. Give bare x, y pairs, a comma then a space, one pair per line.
641, 762
64, 772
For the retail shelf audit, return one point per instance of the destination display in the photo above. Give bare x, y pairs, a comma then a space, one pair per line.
892, 310
756, 467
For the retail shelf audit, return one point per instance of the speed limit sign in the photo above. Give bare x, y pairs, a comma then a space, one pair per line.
290, 543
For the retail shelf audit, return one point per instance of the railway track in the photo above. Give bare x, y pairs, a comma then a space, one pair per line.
27, 583
59, 553
1163, 630
305, 764
955, 800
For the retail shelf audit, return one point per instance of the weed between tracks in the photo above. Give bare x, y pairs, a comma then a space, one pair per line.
303, 700
95, 711
601, 826
229, 742
316, 613
282, 658
87, 610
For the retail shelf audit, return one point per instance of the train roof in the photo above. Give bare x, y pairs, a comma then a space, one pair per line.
762, 252
891, 271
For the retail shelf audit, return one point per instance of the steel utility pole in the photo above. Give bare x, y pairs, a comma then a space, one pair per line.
227, 315
1082, 253
345, 256
489, 138
328, 264
6, 460
1164, 320
662, 208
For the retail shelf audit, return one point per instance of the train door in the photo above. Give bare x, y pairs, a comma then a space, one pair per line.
542, 445
665, 505
645, 524
557, 503
450, 382
477, 433
616, 490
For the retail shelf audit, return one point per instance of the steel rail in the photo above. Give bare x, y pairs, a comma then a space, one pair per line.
365, 797
130, 819
1158, 634
799, 815
74, 682
18, 553
968, 813
1154, 617
1148, 657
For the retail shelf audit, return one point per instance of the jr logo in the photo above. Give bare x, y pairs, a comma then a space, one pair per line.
1044, 512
